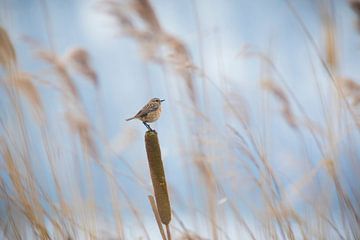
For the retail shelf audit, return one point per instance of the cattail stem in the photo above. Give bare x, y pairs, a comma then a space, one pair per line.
168, 232
158, 176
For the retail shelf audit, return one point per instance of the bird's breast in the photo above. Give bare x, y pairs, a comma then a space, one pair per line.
152, 116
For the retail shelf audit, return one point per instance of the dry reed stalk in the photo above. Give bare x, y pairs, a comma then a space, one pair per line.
328, 70
52, 159
344, 199
158, 176
210, 183
157, 216
30, 202
12, 226
134, 210
115, 200
29, 205
78, 122
290, 92
186, 233
242, 110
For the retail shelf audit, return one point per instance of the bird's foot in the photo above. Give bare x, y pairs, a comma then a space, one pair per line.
148, 127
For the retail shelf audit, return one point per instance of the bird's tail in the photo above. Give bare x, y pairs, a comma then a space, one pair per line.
130, 119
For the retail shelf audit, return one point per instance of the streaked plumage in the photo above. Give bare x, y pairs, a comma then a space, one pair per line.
149, 113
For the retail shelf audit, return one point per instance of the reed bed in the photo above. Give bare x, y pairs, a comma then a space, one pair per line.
62, 178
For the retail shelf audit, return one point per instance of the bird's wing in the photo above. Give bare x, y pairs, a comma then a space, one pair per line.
150, 107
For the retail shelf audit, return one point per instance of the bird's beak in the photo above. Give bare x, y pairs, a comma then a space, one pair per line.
162, 100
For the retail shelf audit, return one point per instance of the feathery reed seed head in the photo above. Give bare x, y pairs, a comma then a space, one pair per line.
7, 50
80, 59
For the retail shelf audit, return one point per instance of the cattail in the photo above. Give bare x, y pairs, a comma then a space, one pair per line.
158, 176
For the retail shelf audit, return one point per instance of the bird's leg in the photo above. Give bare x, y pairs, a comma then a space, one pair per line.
148, 127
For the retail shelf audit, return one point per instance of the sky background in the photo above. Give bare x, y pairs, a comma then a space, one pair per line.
127, 81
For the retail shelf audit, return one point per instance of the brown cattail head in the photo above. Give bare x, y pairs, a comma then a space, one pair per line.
158, 176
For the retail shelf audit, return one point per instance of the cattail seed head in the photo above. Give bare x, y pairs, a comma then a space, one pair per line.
158, 176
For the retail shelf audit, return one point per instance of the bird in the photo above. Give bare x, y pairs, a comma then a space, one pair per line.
149, 113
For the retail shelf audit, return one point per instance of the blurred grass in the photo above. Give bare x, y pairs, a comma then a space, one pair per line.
255, 198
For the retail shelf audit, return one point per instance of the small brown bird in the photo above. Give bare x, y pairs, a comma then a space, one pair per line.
149, 113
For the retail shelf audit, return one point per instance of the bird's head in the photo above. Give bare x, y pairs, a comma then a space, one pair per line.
157, 100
